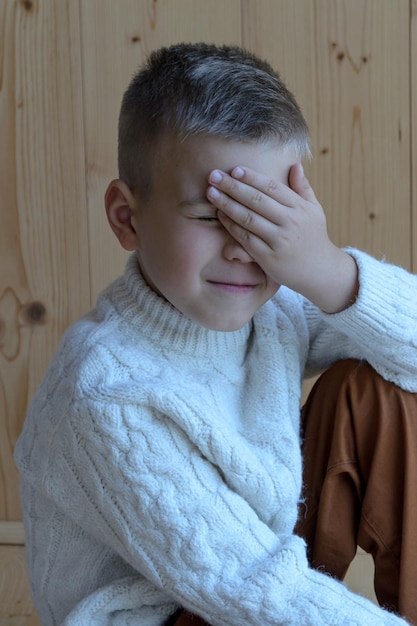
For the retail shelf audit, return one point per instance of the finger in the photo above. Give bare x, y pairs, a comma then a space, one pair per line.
254, 245
233, 192
278, 190
241, 218
300, 183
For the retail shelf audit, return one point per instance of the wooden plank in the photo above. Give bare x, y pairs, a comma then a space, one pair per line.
283, 33
12, 533
43, 239
114, 43
16, 607
413, 133
360, 575
348, 64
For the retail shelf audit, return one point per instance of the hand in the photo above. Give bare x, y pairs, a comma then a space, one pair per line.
283, 228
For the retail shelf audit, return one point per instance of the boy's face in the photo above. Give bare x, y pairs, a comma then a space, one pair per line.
185, 253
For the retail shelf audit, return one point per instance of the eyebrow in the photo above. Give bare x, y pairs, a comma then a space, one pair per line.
194, 201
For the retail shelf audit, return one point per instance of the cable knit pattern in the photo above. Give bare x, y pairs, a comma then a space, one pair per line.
160, 461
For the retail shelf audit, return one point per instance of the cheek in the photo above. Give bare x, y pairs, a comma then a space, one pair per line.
189, 245
177, 251
168, 260
271, 288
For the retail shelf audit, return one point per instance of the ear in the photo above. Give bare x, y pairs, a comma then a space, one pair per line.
120, 207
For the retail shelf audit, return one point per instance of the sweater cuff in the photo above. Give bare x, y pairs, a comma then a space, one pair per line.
381, 322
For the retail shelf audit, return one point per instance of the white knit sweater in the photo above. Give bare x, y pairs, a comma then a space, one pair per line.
160, 461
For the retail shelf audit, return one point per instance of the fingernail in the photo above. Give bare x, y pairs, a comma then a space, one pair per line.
213, 193
215, 176
238, 172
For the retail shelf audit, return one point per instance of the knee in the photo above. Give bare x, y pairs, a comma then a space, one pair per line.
354, 374
346, 368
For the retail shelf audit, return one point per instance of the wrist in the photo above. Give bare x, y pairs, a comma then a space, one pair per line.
337, 285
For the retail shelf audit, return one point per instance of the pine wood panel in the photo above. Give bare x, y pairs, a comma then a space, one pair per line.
360, 575
64, 64
12, 533
43, 239
413, 133
108, 65
347, 62
16, 608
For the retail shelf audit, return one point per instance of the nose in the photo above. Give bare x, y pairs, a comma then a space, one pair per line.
233, 251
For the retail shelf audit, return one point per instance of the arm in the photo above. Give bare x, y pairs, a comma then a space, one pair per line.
149, 494
379, 327
356, 306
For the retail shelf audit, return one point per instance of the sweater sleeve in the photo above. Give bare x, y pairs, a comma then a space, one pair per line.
138, 485
380, 327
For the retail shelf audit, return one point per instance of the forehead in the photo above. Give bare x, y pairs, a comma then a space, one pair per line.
192, 159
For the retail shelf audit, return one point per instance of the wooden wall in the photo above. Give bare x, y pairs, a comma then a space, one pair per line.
64, 65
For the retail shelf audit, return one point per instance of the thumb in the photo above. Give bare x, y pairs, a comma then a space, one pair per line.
300, 184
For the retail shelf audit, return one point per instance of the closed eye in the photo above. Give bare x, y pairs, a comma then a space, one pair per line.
208, 218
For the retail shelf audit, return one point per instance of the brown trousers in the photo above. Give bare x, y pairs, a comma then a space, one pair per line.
360, 478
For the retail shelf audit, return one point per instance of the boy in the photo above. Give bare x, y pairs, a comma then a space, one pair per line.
160, 461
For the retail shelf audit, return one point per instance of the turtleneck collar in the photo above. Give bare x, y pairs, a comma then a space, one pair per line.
152, 316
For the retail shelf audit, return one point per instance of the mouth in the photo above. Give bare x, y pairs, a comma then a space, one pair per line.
239, 288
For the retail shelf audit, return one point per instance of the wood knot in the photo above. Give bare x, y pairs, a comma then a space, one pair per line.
27, 5
35, 313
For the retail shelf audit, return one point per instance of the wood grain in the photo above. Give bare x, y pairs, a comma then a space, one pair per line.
413, 130
16, 608
44, 281
348, 64
12, 533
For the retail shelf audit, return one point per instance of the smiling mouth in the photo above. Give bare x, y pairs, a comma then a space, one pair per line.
233, 287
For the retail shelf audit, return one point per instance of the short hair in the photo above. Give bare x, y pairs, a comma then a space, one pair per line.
190, 89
